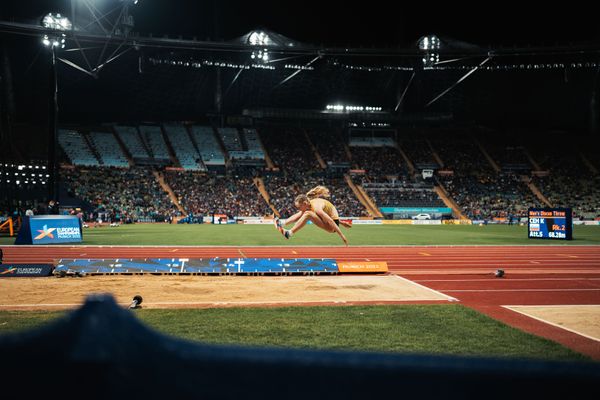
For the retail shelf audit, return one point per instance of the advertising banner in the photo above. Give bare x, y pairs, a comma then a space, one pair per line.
416, 210
50, 229
24, 270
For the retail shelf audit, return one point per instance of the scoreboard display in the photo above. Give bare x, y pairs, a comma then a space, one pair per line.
550, 223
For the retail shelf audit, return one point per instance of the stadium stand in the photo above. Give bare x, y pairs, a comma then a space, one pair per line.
201, 194
290, 151
76, 148
508, 153
403, 194
489, 196
120, 192
569, 181
330, 146
208, 147
418, 150
379, 163
107, 147
152, 136
131, 138
231, 139
459, 153
488, 178
184, 149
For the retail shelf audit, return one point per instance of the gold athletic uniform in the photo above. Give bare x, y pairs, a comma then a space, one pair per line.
327, 208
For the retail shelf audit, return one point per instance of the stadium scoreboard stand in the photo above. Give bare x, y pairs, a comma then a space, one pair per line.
550, 223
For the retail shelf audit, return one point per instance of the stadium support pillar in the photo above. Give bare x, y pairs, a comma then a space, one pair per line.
435, 155
260, 184
487, 156
594, 121
411, 167
363, 197
161, 181
218, 92
448, 201
534, 189
268, 159
588, 164
315, 151
532, 161
52, 121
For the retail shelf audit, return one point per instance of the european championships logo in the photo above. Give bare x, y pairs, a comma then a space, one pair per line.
10, 270
45, 232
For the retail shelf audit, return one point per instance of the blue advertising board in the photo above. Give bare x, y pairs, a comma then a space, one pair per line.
204, 266
25, 270
50, 229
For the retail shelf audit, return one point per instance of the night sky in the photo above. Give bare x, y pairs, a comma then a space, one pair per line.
337, 23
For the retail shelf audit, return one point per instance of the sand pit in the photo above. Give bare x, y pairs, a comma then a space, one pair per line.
207, 291
581, 319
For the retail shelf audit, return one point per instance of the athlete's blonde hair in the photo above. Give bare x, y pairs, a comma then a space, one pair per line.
301, 199
318, 191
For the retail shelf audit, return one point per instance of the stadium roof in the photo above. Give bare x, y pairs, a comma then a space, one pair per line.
536, 67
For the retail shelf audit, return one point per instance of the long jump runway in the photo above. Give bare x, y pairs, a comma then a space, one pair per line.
542, 287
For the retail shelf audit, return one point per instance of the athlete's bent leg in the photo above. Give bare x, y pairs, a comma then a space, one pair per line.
314, 218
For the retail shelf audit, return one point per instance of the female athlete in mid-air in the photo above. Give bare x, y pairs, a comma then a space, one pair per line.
312, 206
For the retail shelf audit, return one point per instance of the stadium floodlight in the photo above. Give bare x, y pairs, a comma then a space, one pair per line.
56, 22
259, 38
59, 23
262, 55
56, 41
429, 43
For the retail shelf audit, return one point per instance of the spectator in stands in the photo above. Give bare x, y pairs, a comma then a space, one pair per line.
53, 207
313, 207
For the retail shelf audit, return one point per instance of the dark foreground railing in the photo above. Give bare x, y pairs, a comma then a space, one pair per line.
102, 351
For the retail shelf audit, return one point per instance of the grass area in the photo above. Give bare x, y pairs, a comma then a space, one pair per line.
266, 235
431, 329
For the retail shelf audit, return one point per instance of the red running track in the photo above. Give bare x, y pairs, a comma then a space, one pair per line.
534, 275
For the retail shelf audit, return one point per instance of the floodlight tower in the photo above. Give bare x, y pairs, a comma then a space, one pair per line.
56, 25
100, 18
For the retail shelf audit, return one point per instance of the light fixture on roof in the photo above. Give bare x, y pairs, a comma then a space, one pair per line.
431, 45
259, 38
58, 23
56, 41
262, 55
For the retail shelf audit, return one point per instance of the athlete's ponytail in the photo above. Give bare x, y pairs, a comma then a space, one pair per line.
318, 191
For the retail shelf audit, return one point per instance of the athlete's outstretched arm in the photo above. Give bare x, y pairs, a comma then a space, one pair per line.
293, 218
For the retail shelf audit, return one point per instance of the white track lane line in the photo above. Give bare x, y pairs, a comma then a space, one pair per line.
450, 298
224, 303
521, 290
508, 280
551, 323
